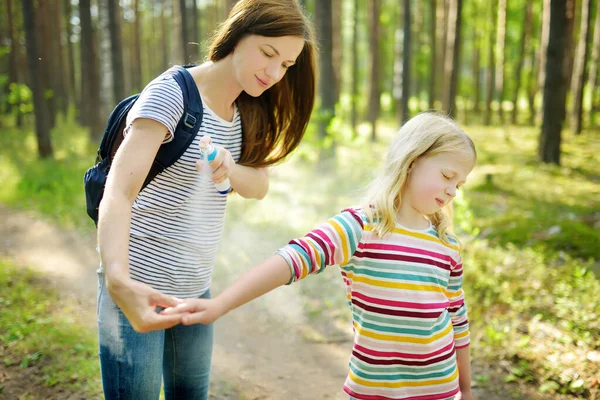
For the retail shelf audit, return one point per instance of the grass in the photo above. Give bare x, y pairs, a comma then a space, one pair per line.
531, 234
39, 329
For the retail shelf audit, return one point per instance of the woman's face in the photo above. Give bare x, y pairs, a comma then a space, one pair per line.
259, 62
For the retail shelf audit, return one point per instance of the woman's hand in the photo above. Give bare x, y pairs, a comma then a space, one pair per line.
138, 302
221, 166
197, 311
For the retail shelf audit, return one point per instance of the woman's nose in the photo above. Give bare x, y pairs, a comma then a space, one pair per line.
274, 72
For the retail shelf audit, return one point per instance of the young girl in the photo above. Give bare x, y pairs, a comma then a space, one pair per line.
401, 266
257, 92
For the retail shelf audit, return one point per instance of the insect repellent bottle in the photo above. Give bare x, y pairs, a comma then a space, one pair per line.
208, 153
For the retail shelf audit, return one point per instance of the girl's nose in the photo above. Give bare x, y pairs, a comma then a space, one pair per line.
451, 191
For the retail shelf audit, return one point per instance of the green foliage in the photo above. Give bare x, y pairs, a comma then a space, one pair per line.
20, 96
53, 187
532, 271
37, 328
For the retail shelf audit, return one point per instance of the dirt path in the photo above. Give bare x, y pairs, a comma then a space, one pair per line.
260, 351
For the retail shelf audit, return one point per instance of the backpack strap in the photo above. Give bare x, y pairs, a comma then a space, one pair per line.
188, 126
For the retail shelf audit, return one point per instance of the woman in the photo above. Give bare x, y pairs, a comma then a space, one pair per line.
159, 245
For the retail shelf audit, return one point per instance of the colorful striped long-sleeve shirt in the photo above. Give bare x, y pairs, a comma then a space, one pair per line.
408, 310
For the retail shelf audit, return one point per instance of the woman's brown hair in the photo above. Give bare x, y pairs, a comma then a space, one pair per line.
273, 123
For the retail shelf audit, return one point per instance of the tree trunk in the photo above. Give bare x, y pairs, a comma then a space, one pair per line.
13, 62
532, 87
337, 46
491, 70
354, 80
196, 35
42, 127
114, 18
569, 57
164, 37
59, 51
374, 91
432, 43
323, 19
184, 31
523, 45
406, 61
416, 17
71, 83
137, 48
443, 22
500, 44
476, 65
593, 76
45, 39
579, 74
543, 51
452, 66
107, 92
555, 87
90, 74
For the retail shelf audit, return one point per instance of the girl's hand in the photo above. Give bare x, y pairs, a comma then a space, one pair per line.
197, 311
222, 164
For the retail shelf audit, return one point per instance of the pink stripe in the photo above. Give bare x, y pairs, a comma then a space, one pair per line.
406, 249
402, 304
359, 396
412, 356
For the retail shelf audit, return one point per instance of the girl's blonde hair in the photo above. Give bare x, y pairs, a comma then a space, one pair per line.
426, 134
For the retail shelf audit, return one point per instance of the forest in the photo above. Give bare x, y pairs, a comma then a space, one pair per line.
520, 76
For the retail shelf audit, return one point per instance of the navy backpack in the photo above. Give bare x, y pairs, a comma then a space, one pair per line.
187, 129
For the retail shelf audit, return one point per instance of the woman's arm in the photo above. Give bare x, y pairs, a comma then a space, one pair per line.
250, 183
127, 174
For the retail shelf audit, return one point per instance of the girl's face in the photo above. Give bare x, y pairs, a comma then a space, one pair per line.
259, 62
433, 180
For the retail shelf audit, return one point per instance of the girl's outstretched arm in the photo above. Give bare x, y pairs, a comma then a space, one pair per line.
264, 277
332, 243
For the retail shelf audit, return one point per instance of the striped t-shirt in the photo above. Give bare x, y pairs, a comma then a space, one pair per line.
408, 310
177, 220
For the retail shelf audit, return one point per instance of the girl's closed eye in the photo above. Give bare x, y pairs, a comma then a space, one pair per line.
268, 55
445, 176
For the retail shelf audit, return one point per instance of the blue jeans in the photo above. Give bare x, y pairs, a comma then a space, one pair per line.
133, 364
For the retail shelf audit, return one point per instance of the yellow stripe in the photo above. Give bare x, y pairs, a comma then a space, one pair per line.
395, 385
304, 267
342, 234
418, 235
394, 285
402, 339
317, 255
461, 335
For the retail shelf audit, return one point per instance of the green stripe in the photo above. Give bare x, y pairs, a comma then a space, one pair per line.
403, 376
395, 369
400, 329
397, 276
387, 265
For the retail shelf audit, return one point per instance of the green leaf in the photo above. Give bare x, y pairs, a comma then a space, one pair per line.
548, 386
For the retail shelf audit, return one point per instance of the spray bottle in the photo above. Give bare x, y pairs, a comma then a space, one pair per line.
208, 152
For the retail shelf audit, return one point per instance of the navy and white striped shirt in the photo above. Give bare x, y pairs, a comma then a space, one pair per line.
177, 220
